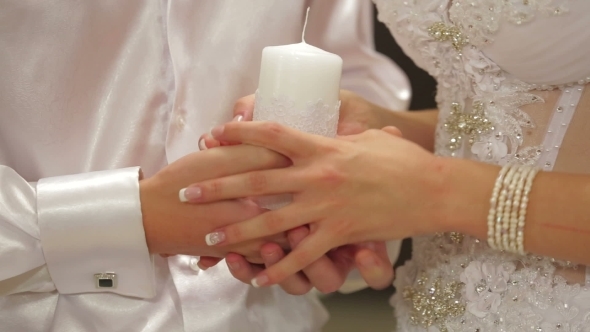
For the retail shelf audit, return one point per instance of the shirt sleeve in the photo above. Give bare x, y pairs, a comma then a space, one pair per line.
345, 27
65, 233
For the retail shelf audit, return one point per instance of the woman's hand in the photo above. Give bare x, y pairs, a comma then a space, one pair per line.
371, 186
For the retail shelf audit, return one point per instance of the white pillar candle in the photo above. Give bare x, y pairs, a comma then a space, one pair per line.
299, 87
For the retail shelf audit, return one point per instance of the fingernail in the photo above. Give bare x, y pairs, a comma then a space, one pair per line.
202, 145
217, 131
271, 254
370, 246
259, 281
189, 194
233, 265
238, 118
368, 262
214, 238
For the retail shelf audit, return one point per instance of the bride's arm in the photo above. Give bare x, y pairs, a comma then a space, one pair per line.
557, 217
376, 186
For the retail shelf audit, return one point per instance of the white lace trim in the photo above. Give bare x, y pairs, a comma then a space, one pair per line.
481, 19
317, 117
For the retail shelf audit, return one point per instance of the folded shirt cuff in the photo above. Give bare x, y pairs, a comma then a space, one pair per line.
91, 231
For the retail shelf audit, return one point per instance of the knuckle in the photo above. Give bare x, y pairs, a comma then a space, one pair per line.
330, 147
331, 175
342, 229
372, 133
272, 130
273, 222
212, 190
257, 182
234, 234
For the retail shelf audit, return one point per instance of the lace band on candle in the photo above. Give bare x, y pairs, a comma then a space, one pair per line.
317, 117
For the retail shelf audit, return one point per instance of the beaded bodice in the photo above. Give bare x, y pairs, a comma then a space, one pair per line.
505, 96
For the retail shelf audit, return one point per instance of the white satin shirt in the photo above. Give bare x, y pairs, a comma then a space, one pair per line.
91, 91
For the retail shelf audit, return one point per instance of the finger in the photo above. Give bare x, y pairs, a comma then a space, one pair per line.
271, 135
265, 224
324, 274
393, 131
208, 142
240, 268
236, 118
257, 183
245, 107
375, 269
295, 284
206, 262
202, 145
343, 258
224, 161
309, 250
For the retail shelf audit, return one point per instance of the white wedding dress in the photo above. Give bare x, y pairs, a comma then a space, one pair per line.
512, 77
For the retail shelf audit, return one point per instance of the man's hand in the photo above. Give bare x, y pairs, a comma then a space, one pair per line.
329, 273
172, 227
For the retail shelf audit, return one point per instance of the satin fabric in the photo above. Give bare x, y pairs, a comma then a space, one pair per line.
103, 85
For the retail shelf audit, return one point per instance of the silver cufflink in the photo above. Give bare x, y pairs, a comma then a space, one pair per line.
106, 280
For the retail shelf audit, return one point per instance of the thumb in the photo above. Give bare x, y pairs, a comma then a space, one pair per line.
206, 262
374, 267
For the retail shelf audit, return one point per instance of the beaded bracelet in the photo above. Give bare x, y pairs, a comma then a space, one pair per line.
508, 204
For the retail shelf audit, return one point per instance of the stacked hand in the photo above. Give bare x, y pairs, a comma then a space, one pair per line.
175, 228
328, 272
357, 188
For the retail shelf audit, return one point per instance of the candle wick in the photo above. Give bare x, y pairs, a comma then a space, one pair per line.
305, 26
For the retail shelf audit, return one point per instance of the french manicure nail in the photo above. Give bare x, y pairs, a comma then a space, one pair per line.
238, 118
189, 194
214, 238
259, 281
217, 131
202, 145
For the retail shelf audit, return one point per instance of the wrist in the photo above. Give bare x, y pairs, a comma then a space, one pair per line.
146, 190
464, 205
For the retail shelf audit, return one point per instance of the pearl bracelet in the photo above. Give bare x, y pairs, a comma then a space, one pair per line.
508, 204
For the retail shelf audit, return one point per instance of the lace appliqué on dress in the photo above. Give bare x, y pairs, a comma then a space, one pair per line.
458, 283
470, 85
480, 20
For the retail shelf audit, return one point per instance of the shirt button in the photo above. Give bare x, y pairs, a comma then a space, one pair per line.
194, 264
180, 122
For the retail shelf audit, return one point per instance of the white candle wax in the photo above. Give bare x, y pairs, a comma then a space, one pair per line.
299, 87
